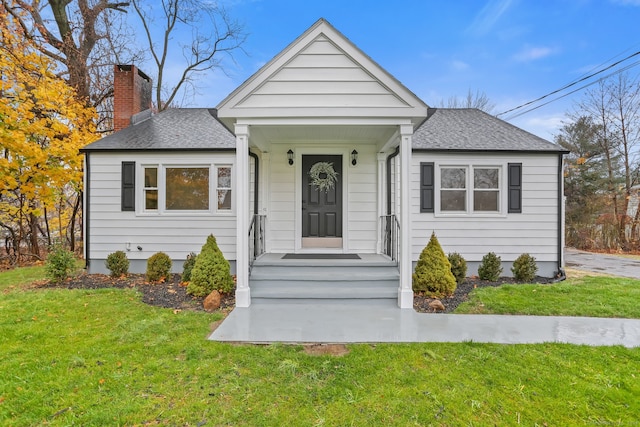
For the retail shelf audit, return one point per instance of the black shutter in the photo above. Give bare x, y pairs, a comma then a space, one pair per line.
515, 187
128, 199
426, 187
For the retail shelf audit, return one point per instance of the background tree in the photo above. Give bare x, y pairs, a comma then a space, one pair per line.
610, 115
478, 100
42, 126
584, 180
214, 35
84, 38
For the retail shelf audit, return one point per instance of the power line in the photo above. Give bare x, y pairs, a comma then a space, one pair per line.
569, 85
569, 93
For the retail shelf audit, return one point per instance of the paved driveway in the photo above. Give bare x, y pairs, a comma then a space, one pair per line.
602, 263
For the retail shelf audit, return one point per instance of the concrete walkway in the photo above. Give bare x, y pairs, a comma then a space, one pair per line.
614, 265
354, 323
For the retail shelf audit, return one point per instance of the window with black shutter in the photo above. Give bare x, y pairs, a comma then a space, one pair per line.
515, 187
426, 187
128, 199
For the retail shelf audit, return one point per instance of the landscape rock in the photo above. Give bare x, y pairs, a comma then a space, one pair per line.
437, 305
212, 301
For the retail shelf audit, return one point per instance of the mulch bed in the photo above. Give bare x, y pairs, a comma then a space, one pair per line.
173, 294
169, 294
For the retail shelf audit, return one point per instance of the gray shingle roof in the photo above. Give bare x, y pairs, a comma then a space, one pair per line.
469, 129
172, 129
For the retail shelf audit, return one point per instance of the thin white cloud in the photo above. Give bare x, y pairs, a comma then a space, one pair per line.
533, 53
488, 16
459, 65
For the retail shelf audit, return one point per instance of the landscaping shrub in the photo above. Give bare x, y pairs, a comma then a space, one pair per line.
60, 264
490, 267
458, 267
117, 263
187, 267
210, 272
432, 274
158, 267
524, 268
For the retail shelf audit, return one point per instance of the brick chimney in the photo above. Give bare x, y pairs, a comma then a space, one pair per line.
131, 94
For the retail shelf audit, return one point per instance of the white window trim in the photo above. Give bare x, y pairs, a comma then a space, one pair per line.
469, 167
162, 188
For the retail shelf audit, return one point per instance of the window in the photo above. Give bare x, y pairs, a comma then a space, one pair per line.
186, 188
486, 190
151, 189
223, 189
453, 193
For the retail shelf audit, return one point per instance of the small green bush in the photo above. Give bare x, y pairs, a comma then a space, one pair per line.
490, 267
458, 267
432, 274
60, 264
187, 267
524, 268
117, 263
158, 267
210, 272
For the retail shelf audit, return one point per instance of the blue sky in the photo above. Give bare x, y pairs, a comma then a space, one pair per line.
513, 50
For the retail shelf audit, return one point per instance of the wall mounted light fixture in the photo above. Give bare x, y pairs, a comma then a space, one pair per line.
290, 156
354, 157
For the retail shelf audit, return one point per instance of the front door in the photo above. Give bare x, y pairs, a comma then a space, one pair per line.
322, 201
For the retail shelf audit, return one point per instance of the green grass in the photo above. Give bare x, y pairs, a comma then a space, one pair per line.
585, 296
21, 276
101, 357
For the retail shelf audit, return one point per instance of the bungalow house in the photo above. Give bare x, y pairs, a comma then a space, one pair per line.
320, 169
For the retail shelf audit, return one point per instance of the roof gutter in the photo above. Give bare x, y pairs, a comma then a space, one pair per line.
560, 275
86, 209
255, 182
389, 158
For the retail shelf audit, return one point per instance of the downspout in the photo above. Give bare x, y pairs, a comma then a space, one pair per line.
86, 210
255, 183
389, 158
560, 275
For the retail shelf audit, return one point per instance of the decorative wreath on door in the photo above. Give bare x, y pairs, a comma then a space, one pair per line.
323, 176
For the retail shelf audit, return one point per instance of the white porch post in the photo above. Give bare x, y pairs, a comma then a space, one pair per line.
382, 183
405, 291
243, 296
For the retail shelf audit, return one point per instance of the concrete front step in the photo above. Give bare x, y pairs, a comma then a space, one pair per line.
323, 280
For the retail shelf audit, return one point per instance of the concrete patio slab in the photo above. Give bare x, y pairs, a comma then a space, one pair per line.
348, 323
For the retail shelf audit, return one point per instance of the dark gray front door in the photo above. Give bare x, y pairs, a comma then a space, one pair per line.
321, 211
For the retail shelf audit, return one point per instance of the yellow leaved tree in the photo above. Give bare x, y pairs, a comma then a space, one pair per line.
43, 125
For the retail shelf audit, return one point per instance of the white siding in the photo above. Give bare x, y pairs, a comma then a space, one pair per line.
362, 201
176, 234
534, 231
322, 76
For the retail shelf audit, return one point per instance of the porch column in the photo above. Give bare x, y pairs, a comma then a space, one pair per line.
382, 197
405, 292
243, 296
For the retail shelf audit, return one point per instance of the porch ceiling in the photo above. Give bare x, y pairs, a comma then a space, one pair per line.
263, 136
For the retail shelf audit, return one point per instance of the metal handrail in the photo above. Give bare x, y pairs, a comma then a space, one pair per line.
390, 233
256, 238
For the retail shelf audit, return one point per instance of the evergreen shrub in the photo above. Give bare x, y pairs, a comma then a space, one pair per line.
187, 267
458, 266
60, 264
117, 263
432, 274
524, 268
490, 267
158, 267
211, 271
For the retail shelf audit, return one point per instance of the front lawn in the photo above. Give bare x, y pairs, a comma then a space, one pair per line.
584, 296
102, 357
